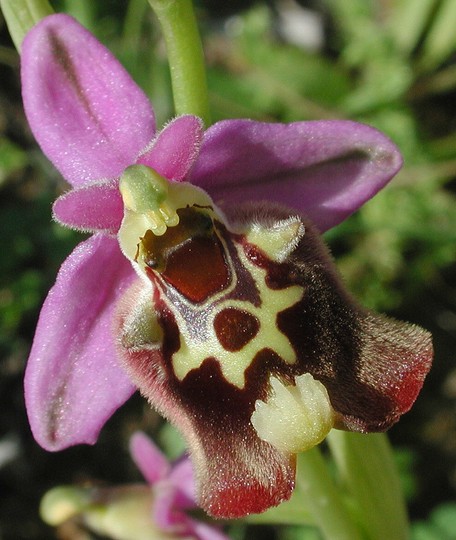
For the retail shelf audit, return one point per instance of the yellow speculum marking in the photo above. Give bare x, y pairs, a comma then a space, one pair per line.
151, 203
293, 417
234, 363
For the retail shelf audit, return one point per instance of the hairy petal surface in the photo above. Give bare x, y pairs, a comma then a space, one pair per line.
73, 369
372, 366
87, 114
237, 473
209, 358
176, 148
324, 169
95, 207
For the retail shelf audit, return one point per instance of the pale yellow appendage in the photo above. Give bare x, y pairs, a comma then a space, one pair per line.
120, 513
295, 417
279, 240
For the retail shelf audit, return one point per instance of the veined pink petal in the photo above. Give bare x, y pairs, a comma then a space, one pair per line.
89, 117
324, 169
96, 207
73, 382
148, 458
176, 147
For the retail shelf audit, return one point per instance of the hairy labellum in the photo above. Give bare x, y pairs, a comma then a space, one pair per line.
241, 333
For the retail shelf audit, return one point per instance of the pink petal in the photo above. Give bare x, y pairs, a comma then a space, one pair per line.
73, 368
176, 148
202, 531
181, 484
148, 458
325, 170
89, 117
96, 207
167, 513
183, 477
169, 516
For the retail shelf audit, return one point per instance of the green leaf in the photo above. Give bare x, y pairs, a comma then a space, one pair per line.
444, 517
368, 470
171, 441
441, 524
408, 22
305, 73
425, 531
238, 96
300, 533
12, 158
440, 42
290, 512
260, 77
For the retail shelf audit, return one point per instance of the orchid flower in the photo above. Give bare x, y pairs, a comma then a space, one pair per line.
156, 511
173, 486
206, 283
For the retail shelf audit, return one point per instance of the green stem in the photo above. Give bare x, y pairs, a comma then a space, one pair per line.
82, 11
22, 15
322, 498
134, 17
366, 464
292, 512
185, 54
316, 501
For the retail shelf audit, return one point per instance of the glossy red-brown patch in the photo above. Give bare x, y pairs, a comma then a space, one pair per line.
235, 328
198, 268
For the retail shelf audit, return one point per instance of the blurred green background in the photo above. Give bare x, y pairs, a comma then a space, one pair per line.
389, 63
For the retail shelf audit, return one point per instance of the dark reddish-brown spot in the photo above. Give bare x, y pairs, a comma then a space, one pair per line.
198, 269
235, 328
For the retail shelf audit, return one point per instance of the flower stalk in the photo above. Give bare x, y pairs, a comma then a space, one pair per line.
185, 55
366, 464
320, 495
